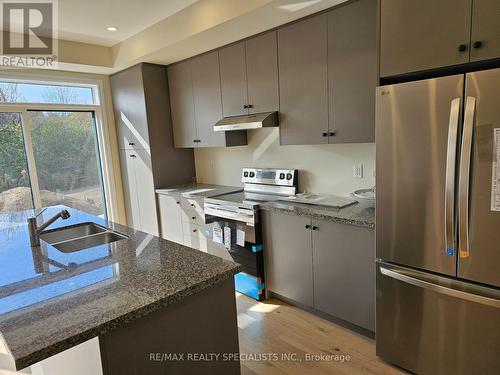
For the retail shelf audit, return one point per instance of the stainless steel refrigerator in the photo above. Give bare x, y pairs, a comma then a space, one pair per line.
438, 224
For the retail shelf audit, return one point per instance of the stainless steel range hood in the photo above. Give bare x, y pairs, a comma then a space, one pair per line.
256, 121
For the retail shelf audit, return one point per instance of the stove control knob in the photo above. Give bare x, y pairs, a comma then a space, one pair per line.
289, 176
245, 174
282, 176
252, 174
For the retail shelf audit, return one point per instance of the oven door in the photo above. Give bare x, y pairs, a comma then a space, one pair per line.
249, 253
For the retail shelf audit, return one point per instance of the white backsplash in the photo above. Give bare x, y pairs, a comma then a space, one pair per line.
326, 169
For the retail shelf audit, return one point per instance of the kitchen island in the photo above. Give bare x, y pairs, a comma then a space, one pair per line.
133, 306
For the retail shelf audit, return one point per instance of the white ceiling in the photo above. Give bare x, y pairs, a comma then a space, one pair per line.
86, 20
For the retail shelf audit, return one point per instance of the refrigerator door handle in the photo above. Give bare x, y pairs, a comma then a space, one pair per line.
451, 161
464, 179
404, 277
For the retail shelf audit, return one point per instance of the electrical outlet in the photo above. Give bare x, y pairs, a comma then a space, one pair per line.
357, 171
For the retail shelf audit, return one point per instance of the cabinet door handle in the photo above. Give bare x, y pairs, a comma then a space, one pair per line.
192, 204
249, 106
462, 48
325, 134
245, 106
331, 134
178, 202
308, 226
131, 143
195, 230
193, 217
477, 44
315, 227
132, 156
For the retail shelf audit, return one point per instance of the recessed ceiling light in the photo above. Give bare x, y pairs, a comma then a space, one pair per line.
112, 28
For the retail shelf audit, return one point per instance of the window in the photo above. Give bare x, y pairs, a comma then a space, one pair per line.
66, 159
49, 147
15, 192
13, 92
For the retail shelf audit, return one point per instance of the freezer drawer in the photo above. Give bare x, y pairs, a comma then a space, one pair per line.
436, 325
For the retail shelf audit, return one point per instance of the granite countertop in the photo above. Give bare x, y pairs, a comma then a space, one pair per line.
199, 190
353, 215
51, 301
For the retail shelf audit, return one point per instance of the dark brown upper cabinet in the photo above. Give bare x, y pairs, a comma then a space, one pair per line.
233, 77
249, 76
181, 102
130, 110
303, 81
195, 99
352, 72
320, 73
328, 75
418, 35
485, 34
262, 73
207, 99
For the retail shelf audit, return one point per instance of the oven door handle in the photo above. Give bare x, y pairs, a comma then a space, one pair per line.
229, 209
215, 211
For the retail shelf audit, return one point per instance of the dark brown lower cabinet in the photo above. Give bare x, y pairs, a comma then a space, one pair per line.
324, 265
344, 272
288, 256
203, 323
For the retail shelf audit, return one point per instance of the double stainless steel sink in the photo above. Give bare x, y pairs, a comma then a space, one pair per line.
80, 236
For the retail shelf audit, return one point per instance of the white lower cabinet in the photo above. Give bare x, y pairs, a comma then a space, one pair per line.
140, 200
83, 359
170, 218
182, 220
194, 237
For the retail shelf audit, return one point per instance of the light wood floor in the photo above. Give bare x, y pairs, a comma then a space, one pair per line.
275, 327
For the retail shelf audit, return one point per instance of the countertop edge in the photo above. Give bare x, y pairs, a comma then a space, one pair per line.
68, 343
320, 216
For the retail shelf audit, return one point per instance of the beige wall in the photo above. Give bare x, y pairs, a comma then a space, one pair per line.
323, 169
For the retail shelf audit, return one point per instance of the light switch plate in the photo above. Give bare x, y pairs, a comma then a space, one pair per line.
357, 171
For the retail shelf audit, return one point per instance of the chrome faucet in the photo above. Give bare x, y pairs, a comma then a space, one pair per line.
35, 230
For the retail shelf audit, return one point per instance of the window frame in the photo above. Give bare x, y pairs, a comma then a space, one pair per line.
101, 122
